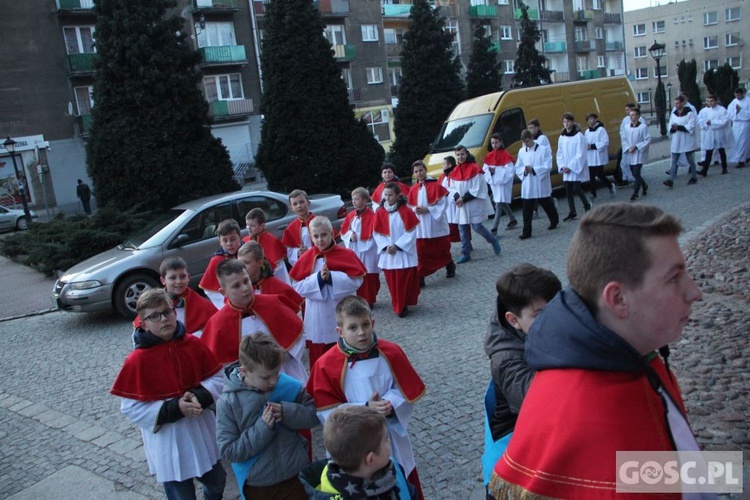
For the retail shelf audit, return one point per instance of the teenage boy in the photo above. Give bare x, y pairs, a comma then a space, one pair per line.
739, 113
636, 143
468, 193
323, 276
572, 163
533, 168
716, 133
356, 235
601, 385
230, 241
273, 248
682, 124
388, 174
499, 172
623, 165
166, 385
365, 370
296, 236
361, 466
597, 140
258, 419
245, 313
258, 268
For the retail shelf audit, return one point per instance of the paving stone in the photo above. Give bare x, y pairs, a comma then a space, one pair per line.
20, 405
55, 419
124, 445
31, 410
91, 433
107, 439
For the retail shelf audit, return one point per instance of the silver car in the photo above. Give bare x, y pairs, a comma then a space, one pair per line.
13, 218
116, 278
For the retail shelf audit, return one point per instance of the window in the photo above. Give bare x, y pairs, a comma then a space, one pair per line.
641, 73
735, 62
663, 70
451, 26
84, 99
502, 2
581, 34
658, 26
732, 14
369, 32
223, 87
641, 52
639, 29
274, 209
79, 39
217, 35
346, 75
506, 33
394, 76
644, 97
374, 75
600, 62
710, 42
596, 4
510, 124
582, 63
710, 64
377, 122
393, 35
335, 33
510, 65
677, 43
675, 20
598, 33
731, 39
710, 18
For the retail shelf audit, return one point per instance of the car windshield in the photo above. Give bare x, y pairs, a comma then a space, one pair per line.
469, 132
157, 231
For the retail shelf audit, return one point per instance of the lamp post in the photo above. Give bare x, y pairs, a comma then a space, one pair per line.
10, 146
657, 51
669, 93
651, 100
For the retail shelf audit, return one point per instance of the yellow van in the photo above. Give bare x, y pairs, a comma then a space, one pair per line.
473, 122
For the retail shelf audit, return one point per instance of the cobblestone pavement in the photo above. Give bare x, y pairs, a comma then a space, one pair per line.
55, 411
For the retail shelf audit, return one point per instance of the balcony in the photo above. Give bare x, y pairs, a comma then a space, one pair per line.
223, 55
81, 64
533, 14
259, 7
583, 16
397, 11
556, 16
479, 11
583, 46
344, 52
614, 46
75, 6
86, 122
496, 48
555, 47
588, 74
560, 76
610, 18
332, 7
235, 108
216, 5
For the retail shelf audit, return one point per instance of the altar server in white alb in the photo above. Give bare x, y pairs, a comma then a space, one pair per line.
597, 156
572, 163
739, 112
624, 163
499, 172
533, 167
635, 142
716, 132
682, 124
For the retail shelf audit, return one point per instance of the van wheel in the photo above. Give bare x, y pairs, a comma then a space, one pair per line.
127, 292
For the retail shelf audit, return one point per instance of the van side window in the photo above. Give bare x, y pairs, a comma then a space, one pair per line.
510, 125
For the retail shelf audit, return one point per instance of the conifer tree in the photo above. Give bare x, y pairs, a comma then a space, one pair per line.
484, 75
722, 81
150, 138
310, 138
430, 85
529, 65
687, 72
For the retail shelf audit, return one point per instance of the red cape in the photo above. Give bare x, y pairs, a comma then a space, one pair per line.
274, 286
326, 383
165, 371
337, 257
571, 424
209, 281
198, 310
368, 219
273, 248
434, 189
498, 158
292, 237
377, 195
222, 334
465, 172
383, 224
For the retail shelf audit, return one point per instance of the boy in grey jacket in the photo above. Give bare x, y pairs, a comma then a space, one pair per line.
259, 416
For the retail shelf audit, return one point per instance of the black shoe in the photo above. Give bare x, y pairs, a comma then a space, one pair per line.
551, 227
570, 217
740, 165
669, 183
404, 313
493, 230
724, 171
422, 284
450, 270
634, 197
693, 181
587, 208
703, 172
524, 237
512, 224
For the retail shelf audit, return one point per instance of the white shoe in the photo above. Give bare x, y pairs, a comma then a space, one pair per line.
612, 191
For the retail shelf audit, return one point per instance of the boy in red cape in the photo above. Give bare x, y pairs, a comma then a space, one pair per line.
365, 370
601, 385
388, 174
230, 240
166, 384
395, 234
324, 274
356, 235
246, 313
296, 236
273, 248
429, 200
259, 270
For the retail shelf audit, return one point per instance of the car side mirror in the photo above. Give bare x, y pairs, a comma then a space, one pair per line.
180, 240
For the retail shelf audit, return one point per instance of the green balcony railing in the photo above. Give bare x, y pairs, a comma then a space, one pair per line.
588, 74
227, 54
555, 47
345, 52
81, 63
216, 4
75, 4
235, 107
583, 46
483, 11
533, 14
615, 46
86, 121
495, 47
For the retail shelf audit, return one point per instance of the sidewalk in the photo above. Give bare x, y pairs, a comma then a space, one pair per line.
25, 291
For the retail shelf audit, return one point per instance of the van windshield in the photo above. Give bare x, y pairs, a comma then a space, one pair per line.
469, 132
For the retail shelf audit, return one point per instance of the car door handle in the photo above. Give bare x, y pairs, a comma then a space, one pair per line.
281, 228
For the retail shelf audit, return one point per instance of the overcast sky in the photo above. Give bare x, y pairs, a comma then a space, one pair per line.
642, 4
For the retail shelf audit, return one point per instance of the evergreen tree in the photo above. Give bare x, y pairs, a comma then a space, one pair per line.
484, 75
310, 138
722, 81
660, 102
430, 85
150, 138
529, 66
687, 72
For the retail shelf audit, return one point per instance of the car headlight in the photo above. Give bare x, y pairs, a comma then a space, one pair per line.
85, 285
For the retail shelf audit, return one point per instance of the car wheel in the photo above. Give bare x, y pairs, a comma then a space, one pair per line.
128, 290
21, 224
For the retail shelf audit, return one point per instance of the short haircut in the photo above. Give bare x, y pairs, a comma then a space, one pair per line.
631, 105
153, 298
227, 227
418, 163
497, 136
256, 214
569, 116
252, 248
172, 264
320, 221
361, 192
522, 285
534, 122
740, 90
460, 147
636, 109
350, 433
298, 192
526, 134
451, 160
228, 267
592, 115
610, 245
712, 96
388, 166
680, 98
260, 349
393, 186
352, 305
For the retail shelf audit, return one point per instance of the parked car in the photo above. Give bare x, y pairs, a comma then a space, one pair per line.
116, 278
12, 218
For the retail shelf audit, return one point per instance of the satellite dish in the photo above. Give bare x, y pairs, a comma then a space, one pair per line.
70, 108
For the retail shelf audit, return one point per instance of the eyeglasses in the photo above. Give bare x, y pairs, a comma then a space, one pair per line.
157, 316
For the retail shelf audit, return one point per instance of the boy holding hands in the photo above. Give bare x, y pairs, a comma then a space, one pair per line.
356, 235
230, 240
274, 249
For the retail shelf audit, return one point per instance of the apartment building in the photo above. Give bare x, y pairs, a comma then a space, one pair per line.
710, 31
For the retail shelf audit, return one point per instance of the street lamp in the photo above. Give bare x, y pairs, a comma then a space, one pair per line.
657, 51
10, 146
651, 100
669, 93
